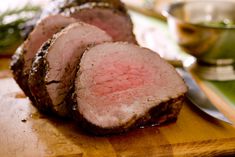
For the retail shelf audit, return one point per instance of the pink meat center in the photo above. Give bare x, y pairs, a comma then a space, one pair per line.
119, 76
116, 25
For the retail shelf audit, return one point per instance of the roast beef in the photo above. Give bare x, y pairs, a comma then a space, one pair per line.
120, 86
109, 15
54, 68
22, 60
103, 15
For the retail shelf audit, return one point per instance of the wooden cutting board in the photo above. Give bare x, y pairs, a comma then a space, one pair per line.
26, 133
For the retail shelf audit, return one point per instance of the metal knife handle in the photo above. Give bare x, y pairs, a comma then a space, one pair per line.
199, 98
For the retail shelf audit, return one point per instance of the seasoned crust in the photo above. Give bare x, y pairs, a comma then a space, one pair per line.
37, 83
61, 6
40, 70
160, 114
22, 59
36, 80
16, 66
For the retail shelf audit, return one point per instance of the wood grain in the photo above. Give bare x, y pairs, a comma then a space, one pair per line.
24, 132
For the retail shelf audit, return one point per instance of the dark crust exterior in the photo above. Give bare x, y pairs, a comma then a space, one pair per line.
36, 80
37, 83
59, 7
159, 114
17, 65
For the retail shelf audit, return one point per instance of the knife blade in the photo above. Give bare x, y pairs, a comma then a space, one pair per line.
199, 98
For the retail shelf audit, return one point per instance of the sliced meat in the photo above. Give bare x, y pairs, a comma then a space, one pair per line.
103, 15
109, 15
22, 60
120, 86
55, 66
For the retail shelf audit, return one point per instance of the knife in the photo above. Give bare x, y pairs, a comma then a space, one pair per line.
199, 98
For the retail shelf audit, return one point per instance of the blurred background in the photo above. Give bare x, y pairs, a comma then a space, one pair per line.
12, 4
13, 15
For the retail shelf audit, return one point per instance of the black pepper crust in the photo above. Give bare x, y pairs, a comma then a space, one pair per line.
36, 80
160, 114
38, 85
61, 6
21, 77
